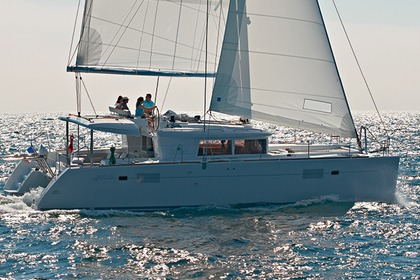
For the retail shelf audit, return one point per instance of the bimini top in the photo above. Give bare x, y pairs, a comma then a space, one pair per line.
112, 125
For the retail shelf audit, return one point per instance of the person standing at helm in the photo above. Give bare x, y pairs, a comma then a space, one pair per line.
148, 104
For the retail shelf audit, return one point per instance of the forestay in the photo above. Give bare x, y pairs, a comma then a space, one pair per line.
277, 66
149, 37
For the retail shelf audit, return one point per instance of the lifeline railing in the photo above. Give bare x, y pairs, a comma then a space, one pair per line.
44, 166
384, 145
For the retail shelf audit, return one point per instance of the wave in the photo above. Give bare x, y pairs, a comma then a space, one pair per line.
13, 204
19, 204
325, 204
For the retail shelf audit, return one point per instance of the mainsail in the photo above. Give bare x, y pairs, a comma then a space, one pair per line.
277, 66
149, 37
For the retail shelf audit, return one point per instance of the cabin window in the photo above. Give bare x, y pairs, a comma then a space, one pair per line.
263, 144
224, 147
214, 147
250, 146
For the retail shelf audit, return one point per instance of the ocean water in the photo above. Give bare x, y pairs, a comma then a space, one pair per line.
319, 238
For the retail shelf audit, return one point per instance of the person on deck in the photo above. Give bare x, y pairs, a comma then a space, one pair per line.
139, 107
124, 105
148, 104
118, 103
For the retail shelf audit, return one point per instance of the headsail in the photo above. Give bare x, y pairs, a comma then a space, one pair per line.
232, 92
148, 37
293, 79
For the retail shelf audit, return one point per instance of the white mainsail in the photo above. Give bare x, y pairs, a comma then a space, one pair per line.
152, 35
276, 62
284, 68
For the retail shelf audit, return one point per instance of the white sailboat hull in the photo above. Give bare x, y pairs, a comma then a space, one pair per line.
167, 185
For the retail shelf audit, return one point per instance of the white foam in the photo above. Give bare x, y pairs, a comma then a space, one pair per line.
20, 204
32, 196
318, 200
403, 200
13, 204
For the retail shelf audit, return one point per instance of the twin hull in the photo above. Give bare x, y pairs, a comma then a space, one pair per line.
167, 185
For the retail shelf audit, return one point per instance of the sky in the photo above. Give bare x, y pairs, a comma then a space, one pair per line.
36, 37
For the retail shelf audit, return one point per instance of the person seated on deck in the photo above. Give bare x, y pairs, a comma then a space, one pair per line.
118, 103
123, 109
139, 107
124, 105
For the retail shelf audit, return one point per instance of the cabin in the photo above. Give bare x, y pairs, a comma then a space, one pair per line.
192, 142
180, 141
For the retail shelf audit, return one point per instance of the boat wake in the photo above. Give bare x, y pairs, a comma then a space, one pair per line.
328, 205
407, 191
12, 204
314, 201
320, 206
403, 200
26, 203
19, 204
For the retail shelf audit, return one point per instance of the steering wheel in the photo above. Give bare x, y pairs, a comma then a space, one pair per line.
156, 119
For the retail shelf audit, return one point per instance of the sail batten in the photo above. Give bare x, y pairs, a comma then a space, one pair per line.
293, 79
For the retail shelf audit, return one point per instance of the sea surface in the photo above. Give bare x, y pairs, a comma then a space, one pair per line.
319, 238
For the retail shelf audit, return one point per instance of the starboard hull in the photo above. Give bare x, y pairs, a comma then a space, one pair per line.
168, 185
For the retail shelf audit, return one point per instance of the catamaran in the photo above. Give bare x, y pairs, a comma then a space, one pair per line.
268, 60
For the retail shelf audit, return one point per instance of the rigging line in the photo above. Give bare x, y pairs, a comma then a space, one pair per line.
186, 6
372, 135
280, 91
195, 33
200, 48
177, 33
217, 40
205, 87
87, 93
123, 32
87, 11
153, 33
203, 41
125, 29
166, 93
205, 65
155, 52
72, 36
156, 91
281, 17
142, 33
240, 18
360, 68
78, 95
